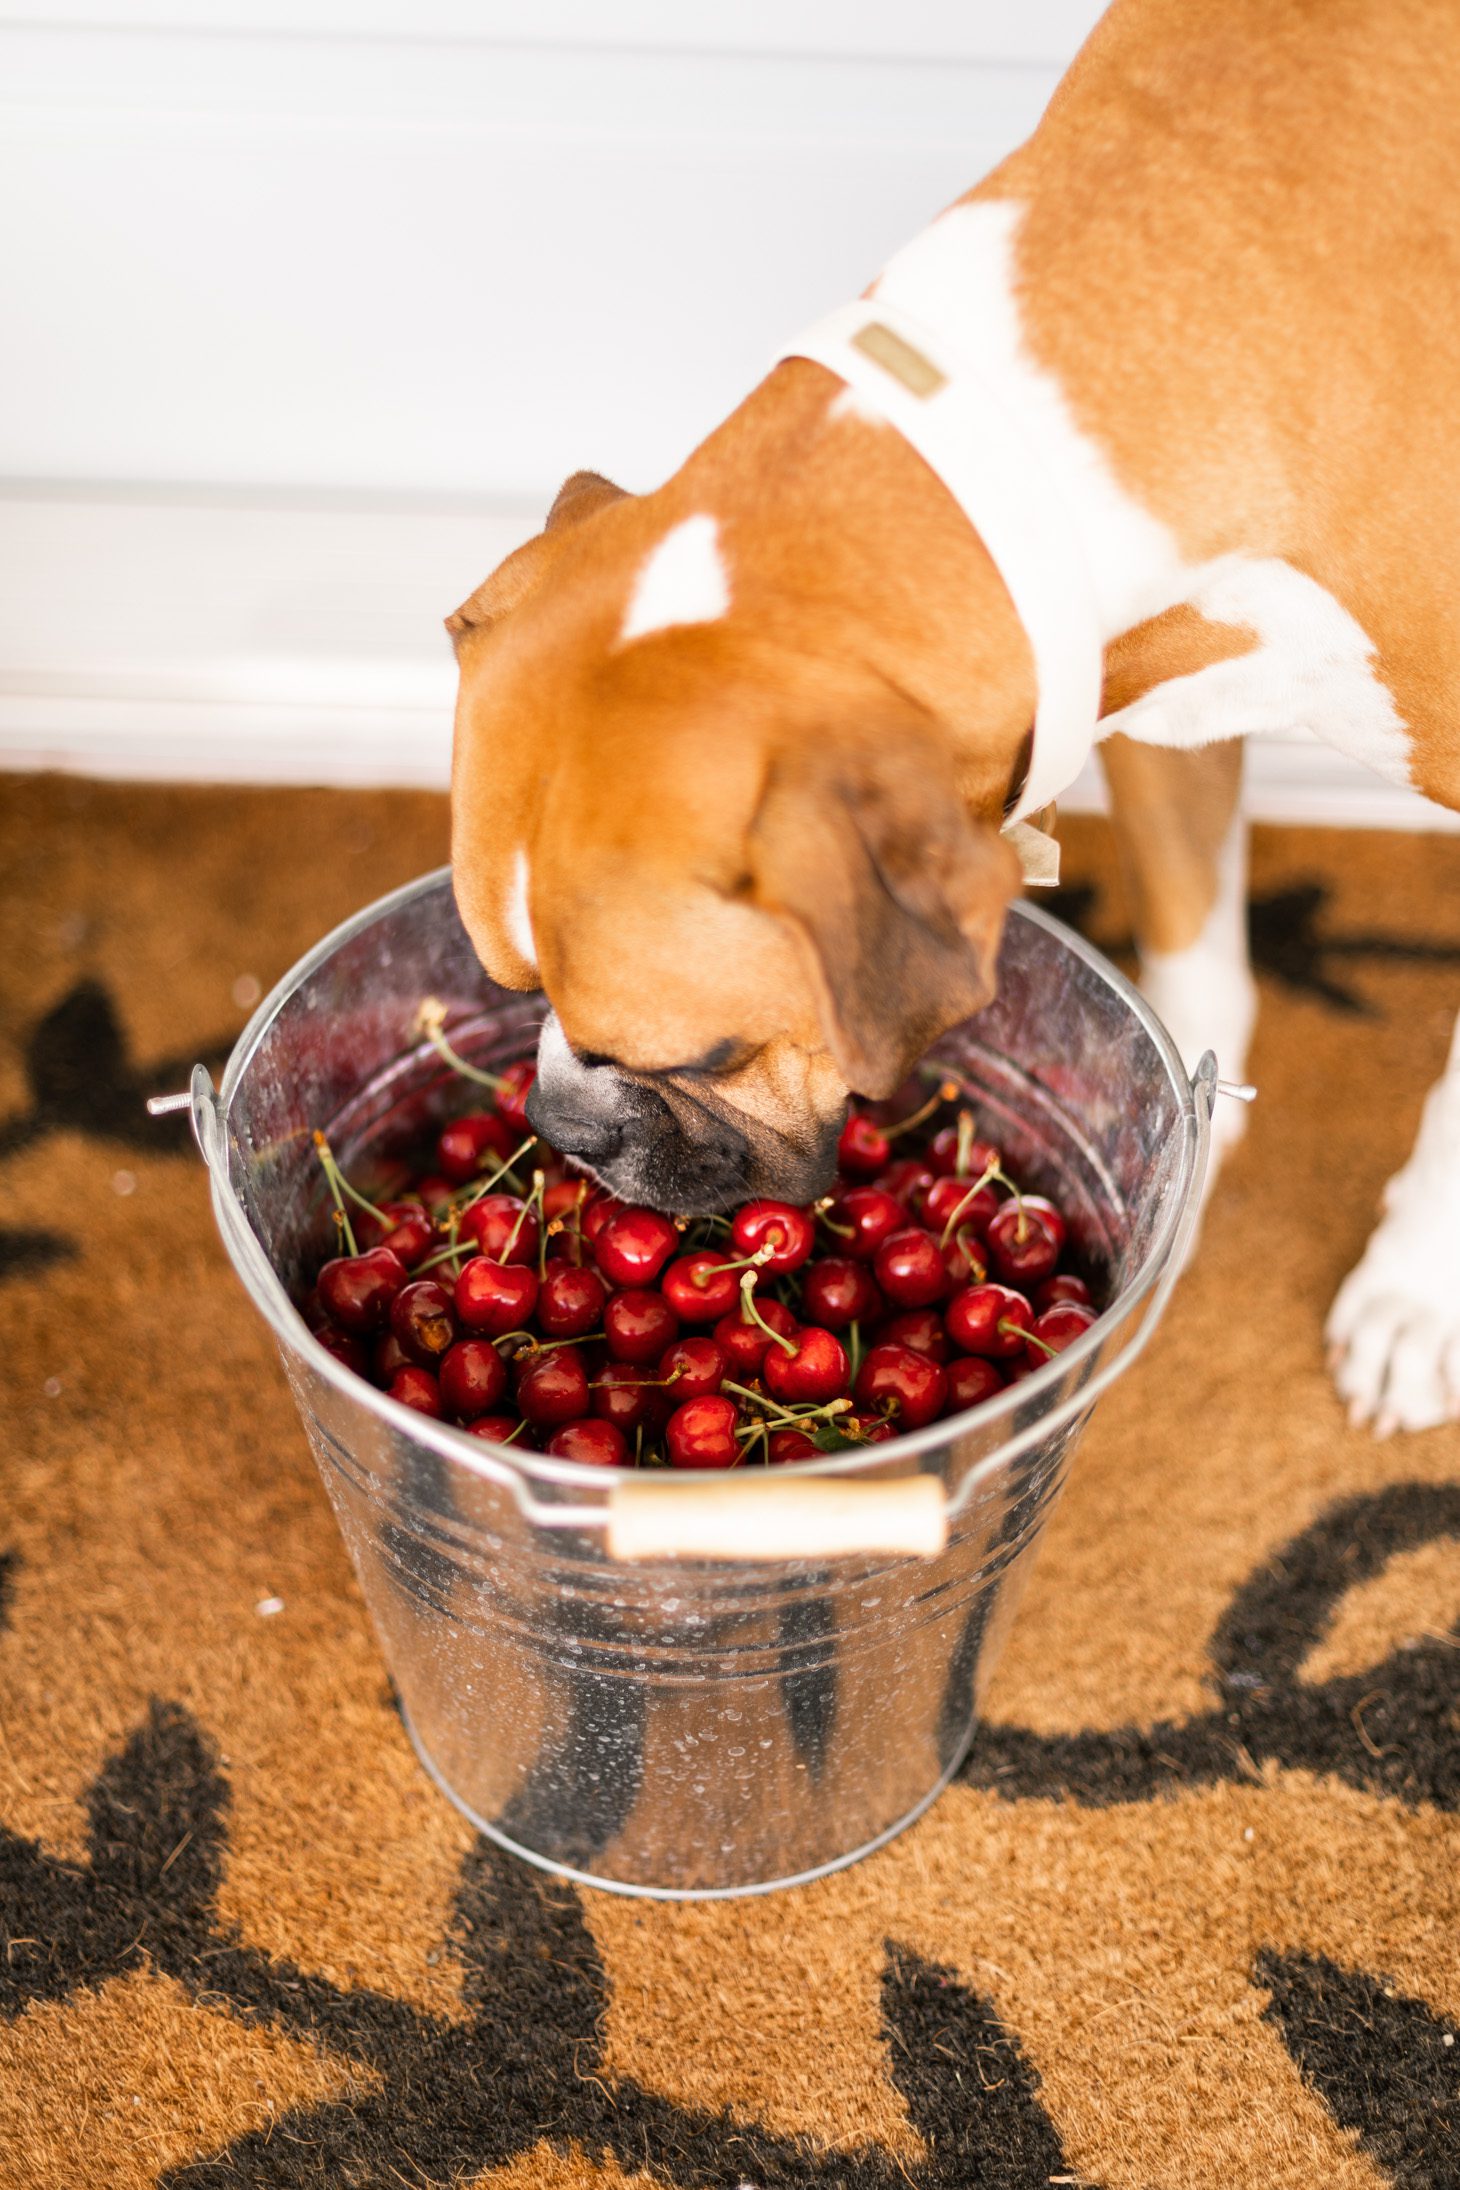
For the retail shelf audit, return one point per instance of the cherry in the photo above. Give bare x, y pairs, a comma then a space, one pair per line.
1064, 1285
565, 1199
906, 1181
788, 1232
1021, 1247
872, 1429
872, 1215
417, 1389
464, 1147
701, 1434
904, 1385
387, 1357
971, 1380
949, 1200
357, 1290
515, 1085
943, 1155
625, 1394
837, 1291
1057, 1328
963, 1259
633, 1245
788, 1445
920, 1328
473, 1378
504, 1228
552, 1386
692, 1368
410, 1235
597, 1210
909, 1268
495, 1297
639, 1324
815, 1370
863, 1148
346, 1348
422, 1321
570, 1301
496, 1427
591, 1440
435, 1191
744, 1343
989, 1319
699, 1287
1051, 1218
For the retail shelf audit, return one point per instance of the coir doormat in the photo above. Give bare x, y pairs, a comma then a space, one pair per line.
1188, 1922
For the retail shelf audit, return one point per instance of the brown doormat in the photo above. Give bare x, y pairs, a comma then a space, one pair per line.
1189, 1920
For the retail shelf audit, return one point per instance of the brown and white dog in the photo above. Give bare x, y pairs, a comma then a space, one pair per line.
732, 757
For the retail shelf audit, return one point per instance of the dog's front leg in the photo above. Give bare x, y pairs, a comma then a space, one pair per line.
1183, 844
1394, 1329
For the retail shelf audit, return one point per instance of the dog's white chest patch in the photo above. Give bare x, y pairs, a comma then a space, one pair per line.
683, 581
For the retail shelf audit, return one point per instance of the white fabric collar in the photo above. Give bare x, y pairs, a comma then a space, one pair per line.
993, 467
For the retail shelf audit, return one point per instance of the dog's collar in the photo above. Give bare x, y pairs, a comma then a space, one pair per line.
992, 466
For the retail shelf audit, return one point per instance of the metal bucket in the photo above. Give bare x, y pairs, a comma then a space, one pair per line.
681, 1685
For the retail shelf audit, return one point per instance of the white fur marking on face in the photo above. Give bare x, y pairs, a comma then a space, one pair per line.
683, 581
1394, 1329
515, 917
851, 403
1314, 667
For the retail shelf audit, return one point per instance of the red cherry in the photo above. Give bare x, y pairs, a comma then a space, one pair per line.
971, 1380
1064, 1285
943, 1155
863, 1147
1049, 1216
692, 1368
387, 1358
699, 1288
949, 1199
512, 1094
633, 1245
906, 1386
496, 1427
701, 1434
963, 1259
552, 1386
594, 1442
433, 1190
639, 1324
597, 1210
627, 1395
566, 1198
920, 1328
473, 1378
357, 1290
989, 1319
570, 1301
417, 1389
1058, 1327
906, 1181
815, 1371
410, 1236
909, 1268
872, 1215
837, 1291
422, 1321
1021, 1247
494, 1297
504, 1228
788, 1232
472, 1144
345, 1347
786, 1445
744, 1343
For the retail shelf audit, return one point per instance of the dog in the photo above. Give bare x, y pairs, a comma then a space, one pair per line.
733, 759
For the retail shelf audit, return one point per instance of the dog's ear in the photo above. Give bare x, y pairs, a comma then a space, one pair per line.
897, 898
577, 499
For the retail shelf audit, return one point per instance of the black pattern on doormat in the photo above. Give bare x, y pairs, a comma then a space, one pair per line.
1385, 2066
1389, 1730
1290, 940
524, 2064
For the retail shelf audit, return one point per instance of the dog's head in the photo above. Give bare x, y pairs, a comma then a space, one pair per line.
742, 873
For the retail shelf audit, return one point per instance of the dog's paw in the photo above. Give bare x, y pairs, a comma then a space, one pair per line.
1394, 1329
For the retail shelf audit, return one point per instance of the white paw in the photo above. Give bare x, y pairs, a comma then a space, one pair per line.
1394, 1329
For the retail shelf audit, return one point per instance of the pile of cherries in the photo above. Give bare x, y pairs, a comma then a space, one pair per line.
506, 1291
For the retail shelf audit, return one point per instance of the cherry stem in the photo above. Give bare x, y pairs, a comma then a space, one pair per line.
1032, 1338
842, 1231
751, 1314
1007, 1328
337, 1179
504, 1170
334, 1180
948, 1092
993, 1174
431, 1019
748, 1263
854, 1350
533, 1201
795, 1416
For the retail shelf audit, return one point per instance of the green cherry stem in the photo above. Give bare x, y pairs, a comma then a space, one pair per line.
431, 1019
504, 1170
948, 1092
751, 1314
334, 1180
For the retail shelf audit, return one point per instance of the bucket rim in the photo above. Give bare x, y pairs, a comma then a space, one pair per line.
491, 1461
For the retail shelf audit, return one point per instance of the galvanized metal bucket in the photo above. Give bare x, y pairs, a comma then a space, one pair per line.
680, 1685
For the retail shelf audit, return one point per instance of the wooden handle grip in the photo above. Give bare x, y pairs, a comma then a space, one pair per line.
768, 1517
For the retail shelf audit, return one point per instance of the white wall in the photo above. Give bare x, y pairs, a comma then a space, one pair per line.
306, 307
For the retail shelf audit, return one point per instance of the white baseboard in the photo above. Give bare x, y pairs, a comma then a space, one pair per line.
232, 638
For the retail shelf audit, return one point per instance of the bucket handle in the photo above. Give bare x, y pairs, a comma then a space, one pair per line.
744, 1517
